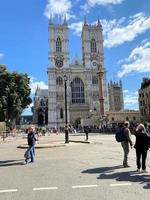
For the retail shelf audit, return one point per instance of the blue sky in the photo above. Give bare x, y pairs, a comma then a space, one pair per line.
126, 33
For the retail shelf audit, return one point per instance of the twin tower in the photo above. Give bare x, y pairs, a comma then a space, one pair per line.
83, 91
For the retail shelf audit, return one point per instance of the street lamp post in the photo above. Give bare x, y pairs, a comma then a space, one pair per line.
66, 116
5, 119
5, 105
5, 110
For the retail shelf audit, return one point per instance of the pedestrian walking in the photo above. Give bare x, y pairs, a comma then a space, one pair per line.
86, 131
141, 146
30, 153
127, 143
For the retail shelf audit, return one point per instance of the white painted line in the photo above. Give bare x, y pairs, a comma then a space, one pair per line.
45, 188
84, 186
7, 191
119, 184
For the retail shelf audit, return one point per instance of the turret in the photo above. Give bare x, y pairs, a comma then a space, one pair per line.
51, 20
65, 20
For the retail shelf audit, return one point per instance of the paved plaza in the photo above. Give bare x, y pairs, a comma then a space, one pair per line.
74, 171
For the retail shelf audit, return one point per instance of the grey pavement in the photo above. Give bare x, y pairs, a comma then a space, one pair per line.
48, 141
82, 171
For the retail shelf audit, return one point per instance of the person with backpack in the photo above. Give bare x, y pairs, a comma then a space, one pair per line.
126, 143
30, 153
141, 146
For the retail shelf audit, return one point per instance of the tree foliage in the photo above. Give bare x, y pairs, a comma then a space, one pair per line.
14, 94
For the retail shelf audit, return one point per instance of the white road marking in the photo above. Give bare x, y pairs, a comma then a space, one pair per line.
45, 188
119, 184
84, 186
6, 191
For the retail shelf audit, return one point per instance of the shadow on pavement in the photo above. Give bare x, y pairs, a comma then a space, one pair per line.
5, 163
101, 169
130, 176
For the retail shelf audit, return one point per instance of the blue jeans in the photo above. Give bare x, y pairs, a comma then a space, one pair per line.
31, 149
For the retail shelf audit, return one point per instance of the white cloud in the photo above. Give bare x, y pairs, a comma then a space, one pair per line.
34, 84
125, 91
138, 60
130, 100
124, 30
103, 2
27, 111
77, 27
1, 55
58, 7
31, 105
91, 3
116, 32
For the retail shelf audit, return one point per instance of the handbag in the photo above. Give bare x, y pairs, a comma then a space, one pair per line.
27, 154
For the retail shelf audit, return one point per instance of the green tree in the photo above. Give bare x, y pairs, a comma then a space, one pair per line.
14, 94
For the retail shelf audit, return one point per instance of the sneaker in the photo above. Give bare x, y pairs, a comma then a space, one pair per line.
126, 166
25, 162
31, 161
144, 171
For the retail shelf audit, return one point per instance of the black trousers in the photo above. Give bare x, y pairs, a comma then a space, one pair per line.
141, 153
87, 135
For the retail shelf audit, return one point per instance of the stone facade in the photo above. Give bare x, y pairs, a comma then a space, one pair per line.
144, 100
40, 107
115, 92
121, 116
82, 78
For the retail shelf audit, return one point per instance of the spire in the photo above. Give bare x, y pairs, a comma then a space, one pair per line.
85, 23
76, 59
98, 22
37, 87
120, 83
65, 20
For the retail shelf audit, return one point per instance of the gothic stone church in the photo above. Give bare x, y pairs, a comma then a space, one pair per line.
82, 78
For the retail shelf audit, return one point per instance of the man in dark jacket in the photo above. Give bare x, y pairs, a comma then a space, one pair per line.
31, 143
126, 144
86, 131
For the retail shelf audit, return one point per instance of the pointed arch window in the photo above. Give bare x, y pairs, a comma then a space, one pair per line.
58, 45
94, 80
42, 102
127, 118
93, 46
61, 113
46, 102
59, 81
77, 91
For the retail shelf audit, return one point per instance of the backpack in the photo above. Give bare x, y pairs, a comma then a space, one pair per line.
119, 135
